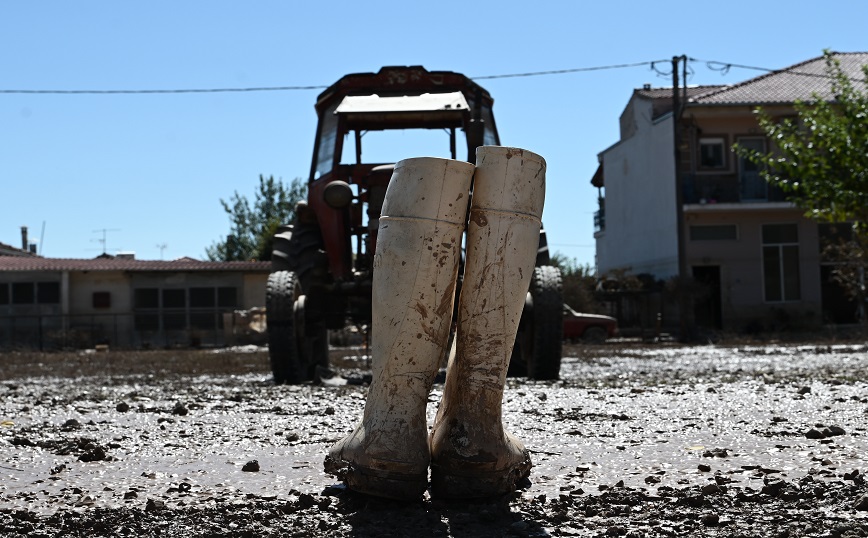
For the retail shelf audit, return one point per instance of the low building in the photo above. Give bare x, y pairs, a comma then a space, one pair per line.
51, 303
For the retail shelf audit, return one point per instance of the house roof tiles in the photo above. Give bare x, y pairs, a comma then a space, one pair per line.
796, 83
20, 263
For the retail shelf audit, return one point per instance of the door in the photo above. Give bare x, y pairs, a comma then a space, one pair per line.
838, 307
752, 185
707, 303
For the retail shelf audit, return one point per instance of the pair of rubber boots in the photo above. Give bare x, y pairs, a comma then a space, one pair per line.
415, 275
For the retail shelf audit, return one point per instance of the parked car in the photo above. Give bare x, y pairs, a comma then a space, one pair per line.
590, 328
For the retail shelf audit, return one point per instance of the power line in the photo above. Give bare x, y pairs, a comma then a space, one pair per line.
565, 71
714, 65
302, 88
195, 90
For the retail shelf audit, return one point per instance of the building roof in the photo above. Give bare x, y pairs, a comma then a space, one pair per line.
666, 92
33, 263
799, 82
9, 250
661, 98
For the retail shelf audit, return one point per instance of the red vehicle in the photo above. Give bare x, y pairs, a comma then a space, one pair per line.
590, 328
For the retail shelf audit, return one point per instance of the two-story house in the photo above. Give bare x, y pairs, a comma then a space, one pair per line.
755, 253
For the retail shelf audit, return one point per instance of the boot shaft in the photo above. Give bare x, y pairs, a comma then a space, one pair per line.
502, 240
415, 273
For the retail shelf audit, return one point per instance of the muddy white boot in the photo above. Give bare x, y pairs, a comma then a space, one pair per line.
471, 454
415, 273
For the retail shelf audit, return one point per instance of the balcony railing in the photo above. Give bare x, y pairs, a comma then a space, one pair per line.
600, 220
728, 189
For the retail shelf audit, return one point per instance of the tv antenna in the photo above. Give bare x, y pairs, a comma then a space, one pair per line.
162, 247
104, 232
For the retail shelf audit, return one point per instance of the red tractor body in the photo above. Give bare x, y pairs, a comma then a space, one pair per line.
322, 263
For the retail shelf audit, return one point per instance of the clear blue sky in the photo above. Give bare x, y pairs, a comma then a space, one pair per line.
151, 169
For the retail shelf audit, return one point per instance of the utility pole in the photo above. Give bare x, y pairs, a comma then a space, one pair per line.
684, 302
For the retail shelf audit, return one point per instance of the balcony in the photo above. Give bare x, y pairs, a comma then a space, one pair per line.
600, 216
727, 189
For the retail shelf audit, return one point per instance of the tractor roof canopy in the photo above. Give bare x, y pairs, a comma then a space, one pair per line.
397, 98
426, 111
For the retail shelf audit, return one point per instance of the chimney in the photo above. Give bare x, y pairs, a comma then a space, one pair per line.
24, 245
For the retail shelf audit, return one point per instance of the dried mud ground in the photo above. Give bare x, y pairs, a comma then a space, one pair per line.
634, 440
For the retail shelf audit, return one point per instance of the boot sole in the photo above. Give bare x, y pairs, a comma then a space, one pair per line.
461, 481
379, 483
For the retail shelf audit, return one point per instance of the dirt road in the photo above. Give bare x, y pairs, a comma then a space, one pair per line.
638, 441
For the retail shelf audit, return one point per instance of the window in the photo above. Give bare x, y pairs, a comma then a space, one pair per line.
712, 153
180, 309
23, 293
202, 298
30, 293
781, 262
48, 293
174, 299
227, 297
719, 232
146, 298
102, 299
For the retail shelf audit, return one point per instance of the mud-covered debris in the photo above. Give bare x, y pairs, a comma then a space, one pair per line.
814, 433
305, 501
773, 488
711, 520
711, 489
154, 505
834, 431
93, 453
770, 480
71, 424
22, 441
820, 431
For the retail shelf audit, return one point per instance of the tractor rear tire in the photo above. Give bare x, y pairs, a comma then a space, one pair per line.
539, 342
281, 293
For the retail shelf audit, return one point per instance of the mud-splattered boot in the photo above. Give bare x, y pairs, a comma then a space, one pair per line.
415, 273
471, 453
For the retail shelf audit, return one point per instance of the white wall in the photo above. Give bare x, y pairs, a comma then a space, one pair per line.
641, 235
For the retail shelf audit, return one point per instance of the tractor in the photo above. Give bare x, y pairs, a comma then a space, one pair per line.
322, 262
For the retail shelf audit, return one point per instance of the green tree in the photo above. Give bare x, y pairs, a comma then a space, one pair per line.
820, 160
821, 155
579, 283
252, 226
